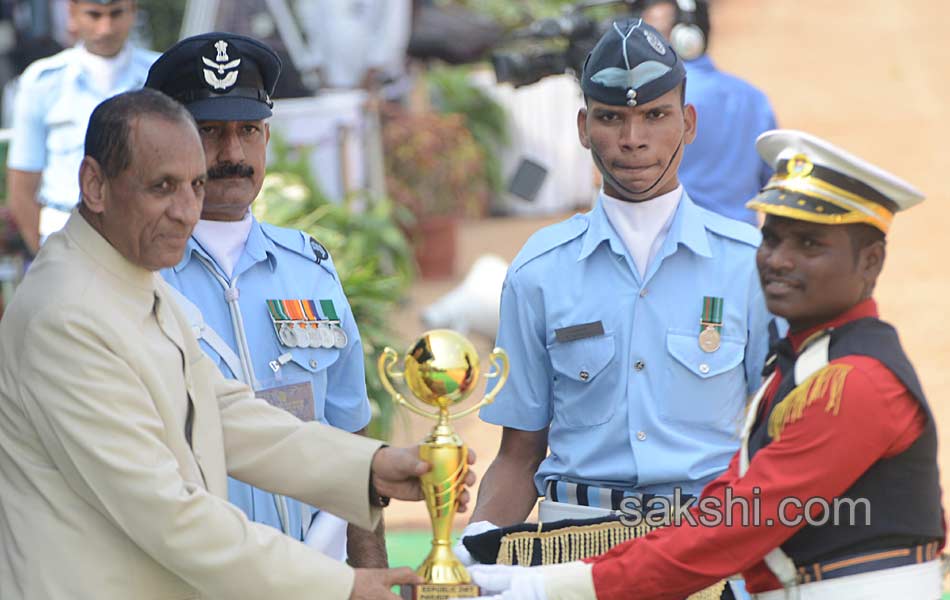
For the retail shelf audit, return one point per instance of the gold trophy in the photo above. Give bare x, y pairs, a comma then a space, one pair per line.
441, 369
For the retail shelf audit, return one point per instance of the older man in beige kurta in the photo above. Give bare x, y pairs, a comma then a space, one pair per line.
116, 436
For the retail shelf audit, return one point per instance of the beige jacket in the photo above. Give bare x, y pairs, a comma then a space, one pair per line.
101, 494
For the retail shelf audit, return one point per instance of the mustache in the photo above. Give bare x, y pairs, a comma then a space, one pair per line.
229, 169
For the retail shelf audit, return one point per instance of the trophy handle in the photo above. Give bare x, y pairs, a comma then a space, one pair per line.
385, 367
500, 371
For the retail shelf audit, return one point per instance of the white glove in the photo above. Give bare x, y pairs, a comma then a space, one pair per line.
473, 529
508, 582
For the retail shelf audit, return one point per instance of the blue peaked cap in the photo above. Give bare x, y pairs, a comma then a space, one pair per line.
631, 64
218, 76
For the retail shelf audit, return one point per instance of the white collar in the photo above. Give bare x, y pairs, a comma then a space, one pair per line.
642, 226
103, 72
224, 240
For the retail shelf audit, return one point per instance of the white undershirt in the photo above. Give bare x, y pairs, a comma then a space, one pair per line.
224, 240
104, 71
642, 225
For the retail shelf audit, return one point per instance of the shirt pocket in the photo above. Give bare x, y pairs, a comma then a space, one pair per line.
704, 388
312, 364
584, 387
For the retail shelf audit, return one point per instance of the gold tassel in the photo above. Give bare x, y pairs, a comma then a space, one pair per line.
566, 544
829, 380
570, 544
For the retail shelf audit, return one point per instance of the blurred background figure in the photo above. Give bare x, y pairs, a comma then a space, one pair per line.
357, 43
720, 170
54, 99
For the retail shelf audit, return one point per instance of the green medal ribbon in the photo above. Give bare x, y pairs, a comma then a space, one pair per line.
712, 313
328, 310
277, 311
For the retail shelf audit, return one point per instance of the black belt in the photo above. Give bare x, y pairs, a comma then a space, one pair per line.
866, 562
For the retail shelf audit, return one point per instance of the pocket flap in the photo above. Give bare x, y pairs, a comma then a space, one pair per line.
684, 347
581, 360
314, 359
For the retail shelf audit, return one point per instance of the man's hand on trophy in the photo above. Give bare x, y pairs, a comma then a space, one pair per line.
396, 472
375, 584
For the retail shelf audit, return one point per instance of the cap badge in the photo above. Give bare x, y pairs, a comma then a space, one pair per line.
799, 166
634, 78
655, 42
223, 73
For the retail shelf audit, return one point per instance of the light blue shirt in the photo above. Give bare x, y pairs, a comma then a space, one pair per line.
721, 169
641, 407
51, 111
279, 264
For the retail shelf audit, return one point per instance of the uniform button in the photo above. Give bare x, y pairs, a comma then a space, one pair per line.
643, 293
704, 368
639, 365
584, 375
642, 435
313, 363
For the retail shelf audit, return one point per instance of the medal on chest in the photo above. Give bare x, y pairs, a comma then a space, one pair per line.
306, 324
710, 325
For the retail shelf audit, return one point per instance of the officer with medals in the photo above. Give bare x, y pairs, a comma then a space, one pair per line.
274, 312
54, 99
635, 331
839, 448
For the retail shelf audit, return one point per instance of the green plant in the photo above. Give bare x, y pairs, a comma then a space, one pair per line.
370, 252
452, 91
434, 166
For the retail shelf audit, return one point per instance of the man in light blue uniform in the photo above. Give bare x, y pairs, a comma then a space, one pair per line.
274, 311
721, 169
635, 331
54, 99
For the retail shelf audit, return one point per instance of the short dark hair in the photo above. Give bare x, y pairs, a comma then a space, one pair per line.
862, 236
107, 135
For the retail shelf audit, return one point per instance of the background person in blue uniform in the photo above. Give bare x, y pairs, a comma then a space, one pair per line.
54, 99
635, 331
248, 277
721, 169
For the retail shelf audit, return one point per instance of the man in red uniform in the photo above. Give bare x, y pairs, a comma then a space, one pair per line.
835, 492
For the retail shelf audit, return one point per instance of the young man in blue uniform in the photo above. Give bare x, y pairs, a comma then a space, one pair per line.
635, 331
275, 315
54, 99
720, 169
839, 445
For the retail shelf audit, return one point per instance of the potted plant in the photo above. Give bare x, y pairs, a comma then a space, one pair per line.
436, 169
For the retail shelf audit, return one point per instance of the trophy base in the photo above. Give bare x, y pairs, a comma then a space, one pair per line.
439, 591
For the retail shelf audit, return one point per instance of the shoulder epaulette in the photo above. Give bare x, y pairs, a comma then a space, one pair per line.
299, 242
549, 238
45, 66
731, 228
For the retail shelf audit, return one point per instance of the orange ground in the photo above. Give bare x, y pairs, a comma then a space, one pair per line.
868, 75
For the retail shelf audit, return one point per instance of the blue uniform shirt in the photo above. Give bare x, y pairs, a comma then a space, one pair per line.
52, 107
721, 169
640, 407
280, 264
